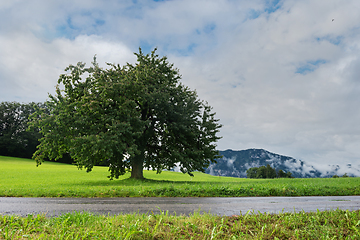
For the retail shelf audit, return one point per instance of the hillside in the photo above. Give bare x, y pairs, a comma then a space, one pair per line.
235, 164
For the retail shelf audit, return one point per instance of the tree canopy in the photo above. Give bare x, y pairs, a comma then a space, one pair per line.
131, 117
15, 141
266, 172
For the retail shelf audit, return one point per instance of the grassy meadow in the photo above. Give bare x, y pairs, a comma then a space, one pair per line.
21, 178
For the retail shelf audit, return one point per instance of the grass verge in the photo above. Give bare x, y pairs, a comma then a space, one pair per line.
337, 224
21, 178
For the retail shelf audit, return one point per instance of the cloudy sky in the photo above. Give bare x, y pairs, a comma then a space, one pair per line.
283, 75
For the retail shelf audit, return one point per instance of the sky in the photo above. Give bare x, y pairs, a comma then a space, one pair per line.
281, 75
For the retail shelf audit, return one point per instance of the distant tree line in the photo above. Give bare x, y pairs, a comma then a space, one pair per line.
344, 176
266, 172
16, 139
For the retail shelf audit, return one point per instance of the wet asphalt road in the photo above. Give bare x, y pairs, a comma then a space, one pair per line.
221, 206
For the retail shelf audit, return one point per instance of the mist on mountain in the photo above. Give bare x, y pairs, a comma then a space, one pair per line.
235, 163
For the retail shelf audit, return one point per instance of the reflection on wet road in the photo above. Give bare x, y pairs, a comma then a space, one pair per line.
221, 206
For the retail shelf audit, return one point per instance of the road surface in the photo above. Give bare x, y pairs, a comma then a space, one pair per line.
220, 205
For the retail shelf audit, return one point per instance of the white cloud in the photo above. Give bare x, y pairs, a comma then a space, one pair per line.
283, 77
230, 161
31, 68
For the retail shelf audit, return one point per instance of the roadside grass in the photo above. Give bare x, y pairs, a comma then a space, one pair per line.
336, 224
21, 178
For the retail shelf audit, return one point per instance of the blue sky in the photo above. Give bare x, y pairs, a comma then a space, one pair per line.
282, 75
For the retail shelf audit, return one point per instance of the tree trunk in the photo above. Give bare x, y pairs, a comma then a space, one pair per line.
137, 167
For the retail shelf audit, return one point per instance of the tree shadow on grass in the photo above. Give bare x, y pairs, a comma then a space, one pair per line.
137, 182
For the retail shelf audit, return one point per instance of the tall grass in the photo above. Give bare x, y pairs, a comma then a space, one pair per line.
21, 178
336, 224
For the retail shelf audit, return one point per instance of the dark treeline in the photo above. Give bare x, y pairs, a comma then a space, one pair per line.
16, 140
266, 172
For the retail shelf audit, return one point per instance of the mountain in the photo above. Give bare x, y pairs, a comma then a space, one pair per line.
235, 163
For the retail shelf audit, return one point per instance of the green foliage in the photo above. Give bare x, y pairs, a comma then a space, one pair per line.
15, 141
266, 172
336, 224
130, 117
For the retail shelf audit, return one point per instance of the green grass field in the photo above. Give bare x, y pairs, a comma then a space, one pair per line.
21, 178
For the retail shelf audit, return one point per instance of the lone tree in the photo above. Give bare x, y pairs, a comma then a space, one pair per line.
131, 117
